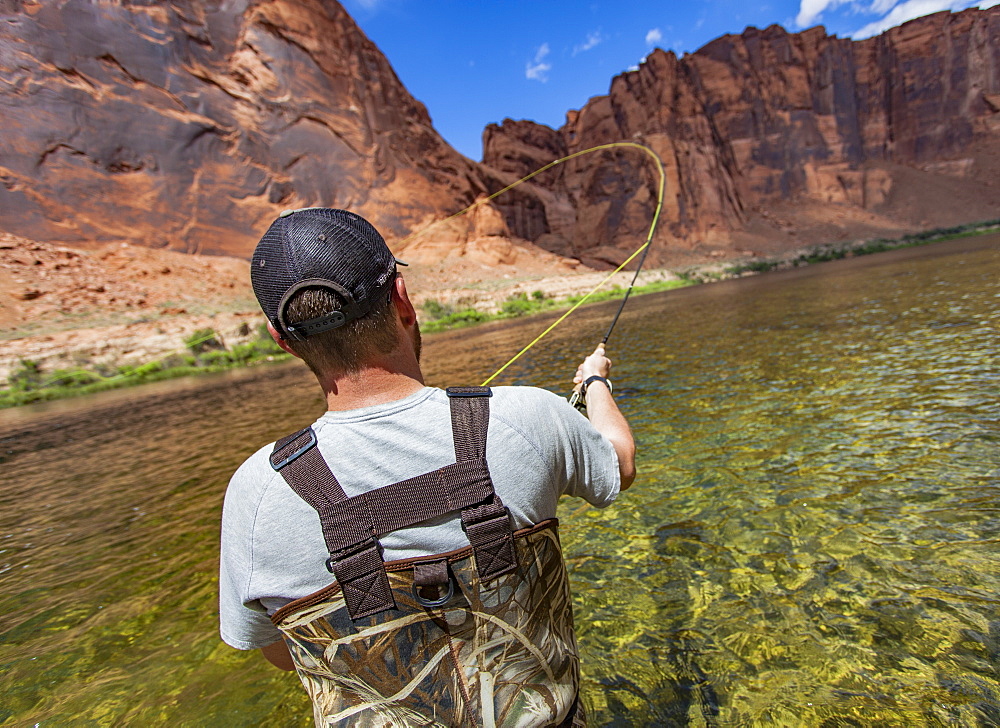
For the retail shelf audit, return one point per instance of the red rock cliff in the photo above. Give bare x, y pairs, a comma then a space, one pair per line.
772, 140
190, 124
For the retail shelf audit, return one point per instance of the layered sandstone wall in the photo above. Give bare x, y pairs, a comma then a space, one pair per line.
754, 121
189, 125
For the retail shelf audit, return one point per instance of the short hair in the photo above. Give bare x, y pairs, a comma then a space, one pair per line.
348, 348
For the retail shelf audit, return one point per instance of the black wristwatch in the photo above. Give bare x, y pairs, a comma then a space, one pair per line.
595, 378
579, 397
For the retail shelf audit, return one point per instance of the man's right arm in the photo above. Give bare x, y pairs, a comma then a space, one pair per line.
604, 413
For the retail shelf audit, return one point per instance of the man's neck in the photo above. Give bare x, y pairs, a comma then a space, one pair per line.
391, 377
371, 386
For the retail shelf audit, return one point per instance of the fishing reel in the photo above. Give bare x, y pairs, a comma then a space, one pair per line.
579, 397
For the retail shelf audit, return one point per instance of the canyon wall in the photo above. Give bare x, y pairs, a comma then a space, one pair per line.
771, 138
189, 125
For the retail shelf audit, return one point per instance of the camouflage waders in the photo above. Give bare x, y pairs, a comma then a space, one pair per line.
482, 636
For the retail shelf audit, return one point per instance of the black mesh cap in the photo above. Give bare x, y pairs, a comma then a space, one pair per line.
319, 247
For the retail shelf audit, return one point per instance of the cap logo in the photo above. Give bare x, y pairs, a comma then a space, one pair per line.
286, 213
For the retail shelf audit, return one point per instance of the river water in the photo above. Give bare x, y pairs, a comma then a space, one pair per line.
813, 539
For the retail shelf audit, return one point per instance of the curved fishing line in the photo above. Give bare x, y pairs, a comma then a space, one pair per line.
550, 165
643, 249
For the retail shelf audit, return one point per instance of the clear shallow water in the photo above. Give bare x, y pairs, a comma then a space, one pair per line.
814, 538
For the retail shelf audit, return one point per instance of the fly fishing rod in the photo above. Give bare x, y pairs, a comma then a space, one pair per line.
640, 252
576, 398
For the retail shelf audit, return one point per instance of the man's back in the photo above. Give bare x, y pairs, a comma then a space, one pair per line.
481, 630
273, 549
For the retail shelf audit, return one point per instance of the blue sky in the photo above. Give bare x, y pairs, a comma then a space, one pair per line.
472, 62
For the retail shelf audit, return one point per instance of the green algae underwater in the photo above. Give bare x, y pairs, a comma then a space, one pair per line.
814, 537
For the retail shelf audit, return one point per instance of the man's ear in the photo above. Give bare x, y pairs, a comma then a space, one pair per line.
407, 313
279, 341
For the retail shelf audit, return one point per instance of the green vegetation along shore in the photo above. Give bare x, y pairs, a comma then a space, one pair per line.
439, 317
836, 251
205, 353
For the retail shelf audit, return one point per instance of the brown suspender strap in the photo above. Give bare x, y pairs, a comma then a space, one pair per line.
487, 524
352, 526
298, 454
358, 567
404, 504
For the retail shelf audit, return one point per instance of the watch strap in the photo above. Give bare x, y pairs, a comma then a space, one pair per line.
597, 378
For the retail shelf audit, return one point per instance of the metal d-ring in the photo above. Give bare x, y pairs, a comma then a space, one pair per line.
440, 601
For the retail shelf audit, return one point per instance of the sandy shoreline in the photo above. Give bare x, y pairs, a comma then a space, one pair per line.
156, 335
153, 324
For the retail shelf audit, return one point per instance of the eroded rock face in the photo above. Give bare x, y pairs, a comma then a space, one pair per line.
190, 124
768, 117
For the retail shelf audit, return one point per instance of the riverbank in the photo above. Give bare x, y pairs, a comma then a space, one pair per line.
441, 316
229, 340
81, 361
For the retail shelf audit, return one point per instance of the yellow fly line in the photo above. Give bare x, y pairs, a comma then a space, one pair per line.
659, 205
649, 235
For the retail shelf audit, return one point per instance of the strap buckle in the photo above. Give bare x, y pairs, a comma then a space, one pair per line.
469, 392
440, 601
353, 550
433, 574
299, 452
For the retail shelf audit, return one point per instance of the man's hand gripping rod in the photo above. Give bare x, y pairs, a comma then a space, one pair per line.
594, 368
577, 398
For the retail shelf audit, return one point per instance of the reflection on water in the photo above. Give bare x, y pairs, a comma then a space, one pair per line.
813, 539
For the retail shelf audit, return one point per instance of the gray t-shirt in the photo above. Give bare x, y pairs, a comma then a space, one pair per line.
538, 447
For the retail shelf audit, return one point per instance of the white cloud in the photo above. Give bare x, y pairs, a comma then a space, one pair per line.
654, 36
893, 12
810, 10
593, 39
538, 70
904, 11
881, 6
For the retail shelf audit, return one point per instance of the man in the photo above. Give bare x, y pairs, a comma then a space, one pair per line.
329, 287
